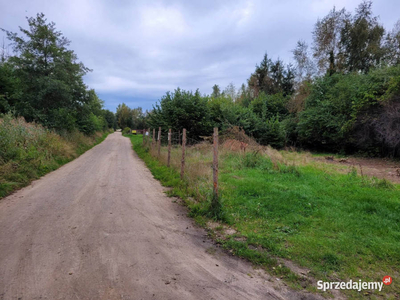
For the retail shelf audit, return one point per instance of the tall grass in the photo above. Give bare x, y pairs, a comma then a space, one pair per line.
338, 226
28, 151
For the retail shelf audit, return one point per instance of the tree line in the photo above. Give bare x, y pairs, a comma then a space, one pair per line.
341, 94
43, 82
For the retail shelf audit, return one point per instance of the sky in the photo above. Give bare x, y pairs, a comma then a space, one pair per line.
139, 50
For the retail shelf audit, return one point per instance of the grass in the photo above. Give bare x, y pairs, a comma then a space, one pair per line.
339, 226
29, 151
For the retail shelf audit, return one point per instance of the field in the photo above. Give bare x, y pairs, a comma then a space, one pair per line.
298, 218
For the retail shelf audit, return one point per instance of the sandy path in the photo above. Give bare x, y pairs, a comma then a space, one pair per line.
101, 227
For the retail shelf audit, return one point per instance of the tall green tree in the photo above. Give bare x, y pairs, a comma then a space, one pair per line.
182, 109
110, 119
123, 116
9, 87
216, 91
362, 40
50, 75
272, 77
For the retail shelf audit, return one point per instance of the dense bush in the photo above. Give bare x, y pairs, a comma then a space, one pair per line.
126, 130
182, 109
352, 112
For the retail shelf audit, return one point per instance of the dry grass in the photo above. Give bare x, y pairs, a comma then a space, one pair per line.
198, 165
28, 150
199, 157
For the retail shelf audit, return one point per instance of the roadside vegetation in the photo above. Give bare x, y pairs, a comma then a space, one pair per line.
48, 116
334, 226
29, 151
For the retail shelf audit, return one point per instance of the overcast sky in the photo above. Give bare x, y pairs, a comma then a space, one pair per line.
139, 50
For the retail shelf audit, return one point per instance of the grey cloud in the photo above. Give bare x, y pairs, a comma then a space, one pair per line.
138, 50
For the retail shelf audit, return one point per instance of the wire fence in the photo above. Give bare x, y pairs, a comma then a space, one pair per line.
172, 147
197, 159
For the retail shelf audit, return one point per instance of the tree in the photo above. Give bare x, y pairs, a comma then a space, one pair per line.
90, 115
182, 109
244, 97
110, 119
327, 46
304, 64
123, 116
138, 118
230, 91
392, 45
51, 78
9, 87
216, 91
362, 40
272, 78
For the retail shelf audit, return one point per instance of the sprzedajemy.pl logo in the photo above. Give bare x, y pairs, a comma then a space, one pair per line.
354, 285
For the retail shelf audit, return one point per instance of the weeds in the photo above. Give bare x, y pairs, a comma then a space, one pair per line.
28, 151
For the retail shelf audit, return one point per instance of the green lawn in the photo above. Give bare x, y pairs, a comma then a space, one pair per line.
340, 226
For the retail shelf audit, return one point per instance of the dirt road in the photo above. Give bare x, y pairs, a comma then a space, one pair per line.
101, 227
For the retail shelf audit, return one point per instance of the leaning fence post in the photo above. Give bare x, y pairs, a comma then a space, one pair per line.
159, 141
169, 147
215, 166
183, 153
154, 138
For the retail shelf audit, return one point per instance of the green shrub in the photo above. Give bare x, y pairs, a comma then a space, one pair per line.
126, 130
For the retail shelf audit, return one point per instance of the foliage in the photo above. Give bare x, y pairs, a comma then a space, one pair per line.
272, 132
126, 130
127, 117
43, 81
182, 109
267, 106
9, 87
272, 78
362, 40
29, 150
347, 112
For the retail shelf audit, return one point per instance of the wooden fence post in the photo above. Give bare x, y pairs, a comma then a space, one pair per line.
215, 166
169, 147
159, 141
183, 153
148, 137
154, 138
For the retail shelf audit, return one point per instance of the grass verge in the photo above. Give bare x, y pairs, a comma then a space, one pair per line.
338, 226
29, 151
